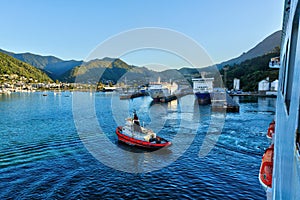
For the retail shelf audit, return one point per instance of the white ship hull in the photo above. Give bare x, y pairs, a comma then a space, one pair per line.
286, 171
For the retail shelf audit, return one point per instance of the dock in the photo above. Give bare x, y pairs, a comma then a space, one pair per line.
176, 95
132, 95
168, 99
254, 95
221, 101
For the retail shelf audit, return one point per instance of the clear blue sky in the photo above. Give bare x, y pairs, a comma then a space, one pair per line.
71, 29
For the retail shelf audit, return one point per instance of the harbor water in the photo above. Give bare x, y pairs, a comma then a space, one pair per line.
42, 156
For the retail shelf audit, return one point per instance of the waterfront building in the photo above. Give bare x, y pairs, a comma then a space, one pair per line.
236, 84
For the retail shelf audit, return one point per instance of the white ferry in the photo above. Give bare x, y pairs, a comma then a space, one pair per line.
161, 90
157, 91
285, 182
202, 88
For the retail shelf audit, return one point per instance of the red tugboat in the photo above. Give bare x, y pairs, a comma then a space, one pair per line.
266, 168
271, 130
136, 135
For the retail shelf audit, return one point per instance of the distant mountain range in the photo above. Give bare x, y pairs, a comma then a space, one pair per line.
51, 65
264, 47
10, 65
109, 69
115, 69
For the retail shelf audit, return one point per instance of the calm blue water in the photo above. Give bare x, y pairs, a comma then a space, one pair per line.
42, 156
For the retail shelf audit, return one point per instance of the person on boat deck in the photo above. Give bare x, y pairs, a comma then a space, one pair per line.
136, 119
136, 123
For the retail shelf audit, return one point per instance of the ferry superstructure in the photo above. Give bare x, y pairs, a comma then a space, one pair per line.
161, 90
286, 170
157, 91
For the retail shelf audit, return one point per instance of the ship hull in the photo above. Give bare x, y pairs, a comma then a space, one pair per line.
141, 143
203, 98
158, 94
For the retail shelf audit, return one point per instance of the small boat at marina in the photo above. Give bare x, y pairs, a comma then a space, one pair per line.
266, 168
271, 130
132, 133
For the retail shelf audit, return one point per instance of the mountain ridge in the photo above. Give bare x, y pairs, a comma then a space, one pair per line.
267, 45
10, 66
51, 65
114, 68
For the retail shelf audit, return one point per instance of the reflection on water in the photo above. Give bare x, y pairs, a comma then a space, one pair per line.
40, 148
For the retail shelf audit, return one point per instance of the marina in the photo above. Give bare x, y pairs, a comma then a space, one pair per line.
150, 100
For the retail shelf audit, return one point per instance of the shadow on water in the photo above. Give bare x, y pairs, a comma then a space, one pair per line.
246, 99
136, 149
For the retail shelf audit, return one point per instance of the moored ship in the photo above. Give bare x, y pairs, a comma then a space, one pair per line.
162, 91
157, 91
202, 88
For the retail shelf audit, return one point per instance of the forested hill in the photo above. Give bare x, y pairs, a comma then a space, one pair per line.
262, 48
10, 65
54, 67
250, 72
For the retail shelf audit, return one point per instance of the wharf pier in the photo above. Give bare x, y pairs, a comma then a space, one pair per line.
132, 95
254, 95
221, 101
167, 99
176, 95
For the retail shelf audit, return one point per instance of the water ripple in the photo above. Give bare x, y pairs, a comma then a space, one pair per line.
42, 157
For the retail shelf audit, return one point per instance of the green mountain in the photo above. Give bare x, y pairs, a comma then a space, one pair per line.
251, 71
108, 69
10, 65
52, 66
115, 70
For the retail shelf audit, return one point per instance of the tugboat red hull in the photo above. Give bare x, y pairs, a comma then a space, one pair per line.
141, 143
